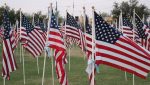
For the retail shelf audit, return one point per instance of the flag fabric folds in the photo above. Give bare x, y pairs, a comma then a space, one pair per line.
8, 60
142, 33
127, 27
116, 50
35, 41
56, 42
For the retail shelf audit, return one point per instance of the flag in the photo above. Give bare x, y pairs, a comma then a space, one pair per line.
142, 37
8, 60
116, 50
35, 43
55, 41
127, 27
72, 34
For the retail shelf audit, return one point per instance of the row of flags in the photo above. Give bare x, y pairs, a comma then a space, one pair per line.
126, 48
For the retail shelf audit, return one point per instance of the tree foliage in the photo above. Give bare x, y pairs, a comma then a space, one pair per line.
128, 7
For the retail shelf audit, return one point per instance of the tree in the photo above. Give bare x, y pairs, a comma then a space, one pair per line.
128, 7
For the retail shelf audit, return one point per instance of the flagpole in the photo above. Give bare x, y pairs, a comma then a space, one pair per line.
93, 38
23, 66
120, 27
65, 38
69, 58
84, 17
52, 67
4, 80
37, 59
49, 15
22, 50
133, 38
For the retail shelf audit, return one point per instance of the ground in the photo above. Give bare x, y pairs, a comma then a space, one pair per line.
76, 75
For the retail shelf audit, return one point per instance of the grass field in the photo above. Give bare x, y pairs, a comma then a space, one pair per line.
76, 76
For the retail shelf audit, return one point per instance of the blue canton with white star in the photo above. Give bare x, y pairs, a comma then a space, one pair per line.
127, 22
71, 21
25, 23
87, 26
53, 22
139, 26
104, 32
6, 24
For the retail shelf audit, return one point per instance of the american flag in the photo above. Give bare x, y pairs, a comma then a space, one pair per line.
35, 43
72, 30
55, 41
15, 36
127, 27
22, 30
142, 37
88, 45
9, 63
116, 50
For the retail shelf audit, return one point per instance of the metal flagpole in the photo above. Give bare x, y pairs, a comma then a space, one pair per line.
69, 58
4, 80
22, 50
52, 67
23, 66
120, 27
49, 17
73, 8
93, 38
37, 60
133, 38
65, 38
84, 17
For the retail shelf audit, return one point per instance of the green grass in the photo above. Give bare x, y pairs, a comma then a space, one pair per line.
76, 76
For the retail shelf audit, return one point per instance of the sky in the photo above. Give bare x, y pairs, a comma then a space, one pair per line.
33, 6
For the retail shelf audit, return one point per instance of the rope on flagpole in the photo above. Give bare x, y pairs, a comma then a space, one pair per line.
38, 64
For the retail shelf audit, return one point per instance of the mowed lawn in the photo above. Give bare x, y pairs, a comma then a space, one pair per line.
76, 75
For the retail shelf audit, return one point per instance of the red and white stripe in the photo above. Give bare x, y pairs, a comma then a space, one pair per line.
9, 63
36, 43
128, 32
72, 34
14, 39
22, 35
143, 42
55, 40
125, 55
60, 67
